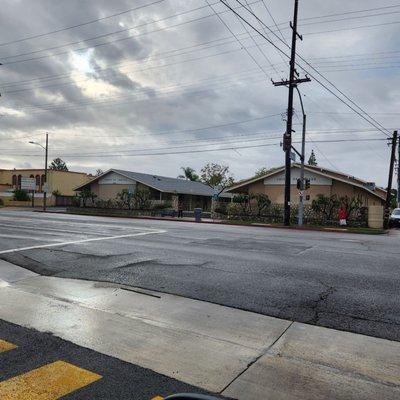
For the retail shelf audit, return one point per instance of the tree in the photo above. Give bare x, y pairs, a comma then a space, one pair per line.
58, 165
126, 198
85, 195
326, 205
312, 160
261, 172
189, 174
141, 199
99, 172
216, 176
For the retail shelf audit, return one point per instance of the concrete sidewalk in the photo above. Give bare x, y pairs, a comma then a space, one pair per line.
228, 351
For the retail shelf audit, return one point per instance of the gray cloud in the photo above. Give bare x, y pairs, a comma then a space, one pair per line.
150, 90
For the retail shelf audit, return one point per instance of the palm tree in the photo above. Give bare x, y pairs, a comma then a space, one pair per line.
189, 174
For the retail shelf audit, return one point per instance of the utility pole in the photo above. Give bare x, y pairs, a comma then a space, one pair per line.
389, 187
287, 137
45, 173
398, 175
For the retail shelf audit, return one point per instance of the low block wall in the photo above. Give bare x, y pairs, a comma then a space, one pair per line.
375, 217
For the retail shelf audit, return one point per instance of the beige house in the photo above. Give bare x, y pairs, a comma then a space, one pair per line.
322, 180
161, 188
64, 182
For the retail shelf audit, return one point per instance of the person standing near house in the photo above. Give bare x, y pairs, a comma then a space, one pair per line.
342, 216
180, 207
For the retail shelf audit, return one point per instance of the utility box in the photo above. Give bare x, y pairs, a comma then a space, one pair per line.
197, 214
375, 217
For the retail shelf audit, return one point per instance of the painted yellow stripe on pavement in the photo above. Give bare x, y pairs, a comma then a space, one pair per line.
158, 398
49, 382
5, 346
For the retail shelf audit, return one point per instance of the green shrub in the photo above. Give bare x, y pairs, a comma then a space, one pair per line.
162, 206
21, 195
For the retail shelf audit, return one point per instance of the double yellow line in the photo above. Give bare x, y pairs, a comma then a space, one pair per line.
49, 382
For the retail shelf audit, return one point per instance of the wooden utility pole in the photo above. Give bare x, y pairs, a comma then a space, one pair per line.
389, 187
287, 137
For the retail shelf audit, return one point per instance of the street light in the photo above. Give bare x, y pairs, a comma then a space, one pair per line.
46, 149
303, 148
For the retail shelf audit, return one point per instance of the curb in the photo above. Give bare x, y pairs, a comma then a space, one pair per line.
254, 225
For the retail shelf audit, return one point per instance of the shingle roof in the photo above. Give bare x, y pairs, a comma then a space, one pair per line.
379, 192
166, 184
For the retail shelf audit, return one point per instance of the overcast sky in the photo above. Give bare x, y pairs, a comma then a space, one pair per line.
172, 78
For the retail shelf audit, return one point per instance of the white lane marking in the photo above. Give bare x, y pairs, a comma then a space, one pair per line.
43, 239
82, 241
80, 224
25, 227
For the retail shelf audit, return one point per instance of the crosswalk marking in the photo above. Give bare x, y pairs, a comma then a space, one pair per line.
49, 382
5, 346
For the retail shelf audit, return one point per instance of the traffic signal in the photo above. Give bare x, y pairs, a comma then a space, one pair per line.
299, 183
307, 184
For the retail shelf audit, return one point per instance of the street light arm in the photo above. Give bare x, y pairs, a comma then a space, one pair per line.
38, 144
301, 100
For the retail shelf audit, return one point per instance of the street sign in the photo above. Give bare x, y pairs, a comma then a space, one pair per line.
293, 156
45, 188
28, 183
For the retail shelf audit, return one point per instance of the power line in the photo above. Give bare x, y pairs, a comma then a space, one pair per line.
362, 114
237, 39
112, 33
196, 150
81, 24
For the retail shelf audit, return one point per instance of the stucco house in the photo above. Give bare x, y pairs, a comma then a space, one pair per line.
322, 180
193, 194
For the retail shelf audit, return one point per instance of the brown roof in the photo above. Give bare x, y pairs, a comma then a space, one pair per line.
340, 176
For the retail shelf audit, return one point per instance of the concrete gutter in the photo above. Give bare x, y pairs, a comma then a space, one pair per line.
228, 351
217, 222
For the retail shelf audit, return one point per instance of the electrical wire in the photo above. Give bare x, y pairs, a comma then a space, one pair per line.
362, 114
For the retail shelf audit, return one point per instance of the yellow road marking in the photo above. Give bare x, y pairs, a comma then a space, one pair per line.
5, 346
49, 382
158, 398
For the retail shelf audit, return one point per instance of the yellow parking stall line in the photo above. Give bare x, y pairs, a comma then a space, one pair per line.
49, 382
158, 398
5, 346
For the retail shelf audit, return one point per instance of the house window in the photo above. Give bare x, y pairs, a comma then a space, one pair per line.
308, 197
43, 179
14, 180
19, 181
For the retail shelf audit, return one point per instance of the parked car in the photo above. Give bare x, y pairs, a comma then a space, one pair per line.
395, 218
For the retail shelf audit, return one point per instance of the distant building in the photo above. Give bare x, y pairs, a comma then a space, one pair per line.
323, 181
162, 188
63, 182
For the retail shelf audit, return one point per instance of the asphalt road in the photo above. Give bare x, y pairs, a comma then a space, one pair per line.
344, 281
109, 378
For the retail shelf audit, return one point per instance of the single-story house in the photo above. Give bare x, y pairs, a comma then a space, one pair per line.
62, 182
162, 189
322, 181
